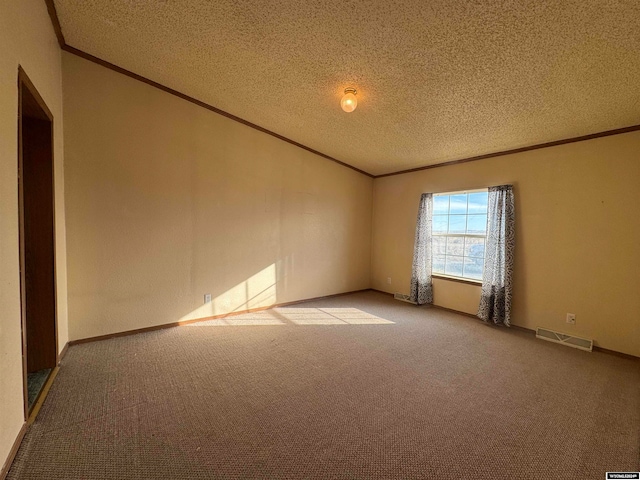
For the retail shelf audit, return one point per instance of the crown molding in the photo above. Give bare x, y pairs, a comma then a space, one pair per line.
538, 146
75, 51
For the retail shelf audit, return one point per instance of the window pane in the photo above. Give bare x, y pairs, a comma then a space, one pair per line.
458, 203
474, 247
453, 266
440, 223
457, 223
477, 224
478, 202
473, 268
438, 264
455, 246
438, 246
441, 205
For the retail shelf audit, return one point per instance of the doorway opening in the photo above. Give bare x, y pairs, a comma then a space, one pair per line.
37, 240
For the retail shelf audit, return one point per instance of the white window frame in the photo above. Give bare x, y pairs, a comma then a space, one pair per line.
458, 235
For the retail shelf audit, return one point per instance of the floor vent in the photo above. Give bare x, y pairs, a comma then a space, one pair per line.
564, 339
403, 298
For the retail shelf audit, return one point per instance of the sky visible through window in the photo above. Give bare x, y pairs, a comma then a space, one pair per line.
459, 230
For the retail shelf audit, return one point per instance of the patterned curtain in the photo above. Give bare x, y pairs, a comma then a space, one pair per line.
421, 287
495, 300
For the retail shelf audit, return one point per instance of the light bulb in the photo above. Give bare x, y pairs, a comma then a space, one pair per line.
349, 101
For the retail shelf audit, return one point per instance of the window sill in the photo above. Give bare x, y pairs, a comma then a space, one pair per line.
457, 279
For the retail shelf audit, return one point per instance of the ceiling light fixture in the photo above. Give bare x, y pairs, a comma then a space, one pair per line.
349, 101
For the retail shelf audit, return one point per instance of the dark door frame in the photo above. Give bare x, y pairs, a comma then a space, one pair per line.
24, 82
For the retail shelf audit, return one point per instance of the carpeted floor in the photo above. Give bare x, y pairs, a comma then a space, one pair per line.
353, 387
35, 382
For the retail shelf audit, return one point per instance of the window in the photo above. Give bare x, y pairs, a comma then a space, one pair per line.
459, 231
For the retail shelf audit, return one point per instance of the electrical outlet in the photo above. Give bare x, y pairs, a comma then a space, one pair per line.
571, 318
388, 280
207, 298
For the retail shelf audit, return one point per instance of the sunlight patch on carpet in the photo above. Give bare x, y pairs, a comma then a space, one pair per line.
298, 316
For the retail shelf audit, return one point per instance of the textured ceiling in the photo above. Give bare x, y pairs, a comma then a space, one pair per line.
437, 80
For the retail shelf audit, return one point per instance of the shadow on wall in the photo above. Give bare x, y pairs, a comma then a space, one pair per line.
260, 291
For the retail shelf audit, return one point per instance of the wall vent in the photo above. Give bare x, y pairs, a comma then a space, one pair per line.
564, 339
403, 298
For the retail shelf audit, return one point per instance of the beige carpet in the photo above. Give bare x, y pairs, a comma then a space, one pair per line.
359, 386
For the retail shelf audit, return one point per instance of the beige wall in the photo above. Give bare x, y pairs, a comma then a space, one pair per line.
167, 201
577, 236
26, 39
